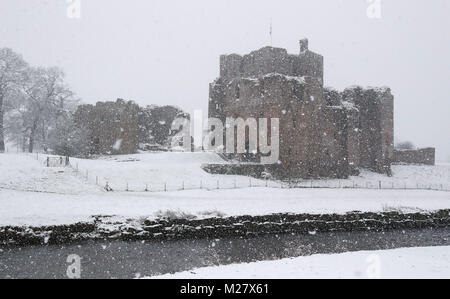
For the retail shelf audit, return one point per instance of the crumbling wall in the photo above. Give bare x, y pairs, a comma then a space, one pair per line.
376, 126
272, 60
297, 102
112, 126
426, 156
323, 132
340, 154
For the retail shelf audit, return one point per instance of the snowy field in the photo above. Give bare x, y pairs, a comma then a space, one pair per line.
31, 194
174, 171
411, 263
177, 171
30, 208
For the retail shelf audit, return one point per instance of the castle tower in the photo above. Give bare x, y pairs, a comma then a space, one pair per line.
322, 133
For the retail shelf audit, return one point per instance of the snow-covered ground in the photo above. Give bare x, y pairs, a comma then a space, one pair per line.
177, 171
31, 194
26, 173
411, 263
173, 171
30, 208
156, 171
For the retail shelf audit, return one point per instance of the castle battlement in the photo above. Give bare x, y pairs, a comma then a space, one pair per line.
273, 60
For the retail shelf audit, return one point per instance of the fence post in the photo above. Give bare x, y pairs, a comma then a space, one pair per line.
146, 187
235, 183
201, 184
96, 180
250, 182
127, 188
87, 175
218, 184
379, 184
165, 187
267, 183
182, 187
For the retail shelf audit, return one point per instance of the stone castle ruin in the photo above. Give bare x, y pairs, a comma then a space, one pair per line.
323, 132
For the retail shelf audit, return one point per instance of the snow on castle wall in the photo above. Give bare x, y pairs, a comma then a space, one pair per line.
323, 133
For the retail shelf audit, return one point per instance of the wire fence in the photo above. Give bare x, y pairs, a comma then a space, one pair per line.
240, 182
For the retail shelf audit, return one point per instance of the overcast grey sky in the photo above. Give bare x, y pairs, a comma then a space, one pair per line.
167, 52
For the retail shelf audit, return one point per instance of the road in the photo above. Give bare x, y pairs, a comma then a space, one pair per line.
118, 259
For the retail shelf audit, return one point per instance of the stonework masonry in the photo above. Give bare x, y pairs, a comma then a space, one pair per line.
323, 132
425, 156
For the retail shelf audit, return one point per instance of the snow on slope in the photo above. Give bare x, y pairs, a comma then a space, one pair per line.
31, 194
172, 171
37, 209
411, 263
403, 177
26, 173
157, 171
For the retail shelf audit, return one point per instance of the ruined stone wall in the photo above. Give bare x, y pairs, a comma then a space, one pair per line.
296, 101
426, 156
323, 132
112, 126
310, 64
272, 60
376, 126
340, 154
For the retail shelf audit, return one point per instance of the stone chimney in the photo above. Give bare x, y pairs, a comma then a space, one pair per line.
304, 45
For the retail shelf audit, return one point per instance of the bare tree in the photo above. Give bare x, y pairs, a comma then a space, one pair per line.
406, 145
12, 67
46, 96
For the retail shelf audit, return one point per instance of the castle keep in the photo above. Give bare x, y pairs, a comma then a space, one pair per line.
323, 132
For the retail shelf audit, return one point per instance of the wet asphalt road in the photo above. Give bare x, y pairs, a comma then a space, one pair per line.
118, 259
